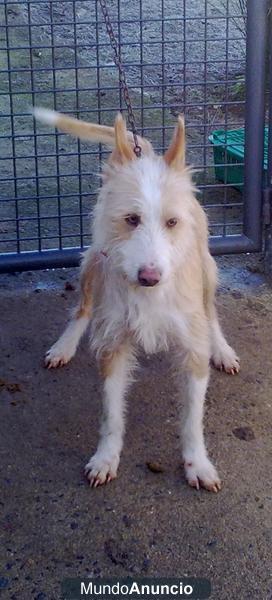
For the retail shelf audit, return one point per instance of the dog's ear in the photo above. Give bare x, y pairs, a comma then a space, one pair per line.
123, 151
175, 155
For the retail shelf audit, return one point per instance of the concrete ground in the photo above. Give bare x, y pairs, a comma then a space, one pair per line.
144, 524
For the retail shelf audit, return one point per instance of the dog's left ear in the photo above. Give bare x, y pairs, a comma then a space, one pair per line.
175, 155
123, 151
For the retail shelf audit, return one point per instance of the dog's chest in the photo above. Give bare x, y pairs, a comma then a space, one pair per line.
151, 321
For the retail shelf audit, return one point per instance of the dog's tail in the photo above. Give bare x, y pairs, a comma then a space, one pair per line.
79, 129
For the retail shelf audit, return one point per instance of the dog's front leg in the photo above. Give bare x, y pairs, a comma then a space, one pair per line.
116, 369
199, 470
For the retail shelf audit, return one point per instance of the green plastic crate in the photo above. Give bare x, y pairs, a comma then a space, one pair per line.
229, 150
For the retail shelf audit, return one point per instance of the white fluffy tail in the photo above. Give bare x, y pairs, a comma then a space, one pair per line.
79, 129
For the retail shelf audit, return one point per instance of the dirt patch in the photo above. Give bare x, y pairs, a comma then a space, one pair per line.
144, 524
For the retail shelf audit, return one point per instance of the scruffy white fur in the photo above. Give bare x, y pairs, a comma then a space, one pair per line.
148, 281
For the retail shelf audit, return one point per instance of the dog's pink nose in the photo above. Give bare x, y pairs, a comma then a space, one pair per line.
148, 276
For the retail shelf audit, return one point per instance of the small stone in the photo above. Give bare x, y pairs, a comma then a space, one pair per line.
127, 521
145, 565
74, 525
212, 543
255, 268
10, 387
36, 53
154, 467
13, 11
244, 433
69, 287
3, 583
236, 294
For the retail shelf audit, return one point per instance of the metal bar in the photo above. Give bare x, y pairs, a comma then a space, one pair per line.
28, 261
269, 165
231, 244
226, 115
125, 21
34, 126
254, 119
232, 124
192, 83
14, 166
77, 114
163, 84
52, 35
268, 190
103, 47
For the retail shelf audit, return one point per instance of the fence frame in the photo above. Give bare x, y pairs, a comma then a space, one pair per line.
252, 237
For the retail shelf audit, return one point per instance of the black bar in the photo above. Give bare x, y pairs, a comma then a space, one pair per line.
268, 191
254, 119
30, 261
232, 244
48, 259
269, 167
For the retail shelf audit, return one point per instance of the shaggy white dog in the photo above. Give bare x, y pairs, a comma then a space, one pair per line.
148, 281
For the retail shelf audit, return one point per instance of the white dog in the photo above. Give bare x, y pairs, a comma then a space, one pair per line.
148, 281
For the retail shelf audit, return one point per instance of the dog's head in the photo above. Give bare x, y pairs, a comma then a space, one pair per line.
143, 218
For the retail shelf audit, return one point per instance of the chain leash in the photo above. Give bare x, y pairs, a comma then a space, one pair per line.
122, 76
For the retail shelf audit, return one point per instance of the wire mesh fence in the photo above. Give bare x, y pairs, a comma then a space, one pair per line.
180, 56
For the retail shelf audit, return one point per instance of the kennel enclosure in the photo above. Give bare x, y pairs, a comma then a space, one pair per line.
205, 59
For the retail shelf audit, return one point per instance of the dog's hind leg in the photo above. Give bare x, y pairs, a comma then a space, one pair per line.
64, 349
223, 357
116, 369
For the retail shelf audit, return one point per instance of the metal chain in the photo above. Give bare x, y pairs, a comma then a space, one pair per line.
122, 76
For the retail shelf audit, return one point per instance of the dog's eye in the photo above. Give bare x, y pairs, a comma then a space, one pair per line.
133, 220
171, 222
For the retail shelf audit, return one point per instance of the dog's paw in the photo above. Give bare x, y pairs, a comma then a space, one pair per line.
58, 355
201, 472
101, 469
225, 359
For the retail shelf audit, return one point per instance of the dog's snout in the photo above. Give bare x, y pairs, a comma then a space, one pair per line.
148, 276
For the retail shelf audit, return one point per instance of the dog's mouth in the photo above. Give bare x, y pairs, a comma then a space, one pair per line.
148, 284
144, 285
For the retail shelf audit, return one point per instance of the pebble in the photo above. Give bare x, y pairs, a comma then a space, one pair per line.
3, 583
244, 433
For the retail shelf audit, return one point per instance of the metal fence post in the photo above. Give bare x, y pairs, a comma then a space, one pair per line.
254, 120
268, 190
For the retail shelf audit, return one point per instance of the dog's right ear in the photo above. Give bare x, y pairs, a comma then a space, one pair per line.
175, 155
123, 151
